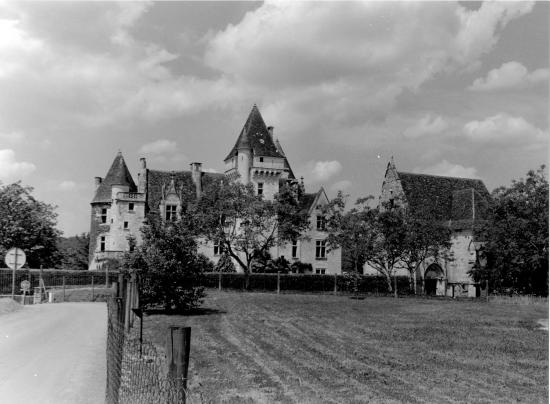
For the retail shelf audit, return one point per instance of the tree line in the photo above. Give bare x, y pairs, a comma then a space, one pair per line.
244, 226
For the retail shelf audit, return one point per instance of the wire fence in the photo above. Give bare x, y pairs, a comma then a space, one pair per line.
138, 372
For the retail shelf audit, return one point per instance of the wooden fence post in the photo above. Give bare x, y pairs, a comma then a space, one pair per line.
92, 288
178, 344
106, 276
220, 281
487, 289
63, 288
335, 283
278, 282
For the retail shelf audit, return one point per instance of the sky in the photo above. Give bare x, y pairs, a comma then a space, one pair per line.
446, 88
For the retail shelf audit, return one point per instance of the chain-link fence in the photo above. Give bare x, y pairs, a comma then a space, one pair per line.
137, 371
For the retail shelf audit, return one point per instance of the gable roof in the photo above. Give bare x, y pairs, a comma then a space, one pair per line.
118, 174
446, 198
255, 136
160, 181
310, 201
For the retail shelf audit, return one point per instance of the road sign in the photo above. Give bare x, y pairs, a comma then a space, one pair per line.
25, 286
15, 258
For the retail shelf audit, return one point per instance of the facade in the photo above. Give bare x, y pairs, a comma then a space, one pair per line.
460, 203
119, 206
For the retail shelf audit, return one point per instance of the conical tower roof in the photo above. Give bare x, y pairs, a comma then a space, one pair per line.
256, 137
118, 174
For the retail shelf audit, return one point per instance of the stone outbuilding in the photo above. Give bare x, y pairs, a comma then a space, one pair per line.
460, 203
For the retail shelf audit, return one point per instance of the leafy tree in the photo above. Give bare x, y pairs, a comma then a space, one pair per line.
169, 266
516, 237
351, 230
225, 264
425, 237
244, 224
73, 251
28, 224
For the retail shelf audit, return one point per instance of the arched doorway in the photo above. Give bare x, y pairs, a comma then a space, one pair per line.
431, 276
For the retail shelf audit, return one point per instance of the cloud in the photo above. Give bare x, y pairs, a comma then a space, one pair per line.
323, 170
11, 169
448, 169
341, 185
210, 170
67, 185
510, 75
353, 59
505, 129
161, 146
428, 125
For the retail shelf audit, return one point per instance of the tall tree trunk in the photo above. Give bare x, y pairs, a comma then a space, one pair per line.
388, 282
394, 285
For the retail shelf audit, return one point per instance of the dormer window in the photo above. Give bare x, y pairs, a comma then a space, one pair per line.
321, 222
171, 214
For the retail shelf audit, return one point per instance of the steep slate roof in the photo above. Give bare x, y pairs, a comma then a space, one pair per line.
255, 136
183, 182
306, 200
118, 174
446, 198
286, 165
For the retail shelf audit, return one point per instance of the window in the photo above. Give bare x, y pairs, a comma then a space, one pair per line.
217, 248
320, 249
102, 243
171, 213
132, 247
261, 159
294, 249
320, 271
126, 225
321, 223
260, 188
104, 215
131, 206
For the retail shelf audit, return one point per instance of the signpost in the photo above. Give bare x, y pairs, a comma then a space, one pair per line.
15, 259
25, 287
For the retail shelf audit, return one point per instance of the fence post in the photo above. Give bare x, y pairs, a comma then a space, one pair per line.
127, 305
92, 288
395, 286
335, 283
106, 276
278, 282
178, 343
63, 288
487, 289
220, 281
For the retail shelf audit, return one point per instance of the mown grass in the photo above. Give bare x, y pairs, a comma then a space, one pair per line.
258, 347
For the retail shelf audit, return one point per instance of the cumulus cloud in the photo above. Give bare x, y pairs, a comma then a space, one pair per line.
324, 170
11, 169
341, 185
510, 75
504, 128
161, 146
12, 137
428, 125
448, 169
347, 50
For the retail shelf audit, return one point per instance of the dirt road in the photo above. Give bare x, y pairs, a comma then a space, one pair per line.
53, 353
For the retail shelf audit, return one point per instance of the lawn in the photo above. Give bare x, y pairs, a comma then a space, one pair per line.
290, 348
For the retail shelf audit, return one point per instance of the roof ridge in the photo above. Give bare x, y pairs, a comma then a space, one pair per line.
439, 176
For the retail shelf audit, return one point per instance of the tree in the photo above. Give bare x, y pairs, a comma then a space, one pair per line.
73, 251
244, 224
425, 237
351, 230
168, 265
516, 237
28, 224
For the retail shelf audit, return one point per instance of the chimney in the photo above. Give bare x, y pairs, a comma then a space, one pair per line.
196, 174
142, 175
270, 130
97, 182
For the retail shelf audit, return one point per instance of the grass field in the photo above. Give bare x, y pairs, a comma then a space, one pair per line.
254, 347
